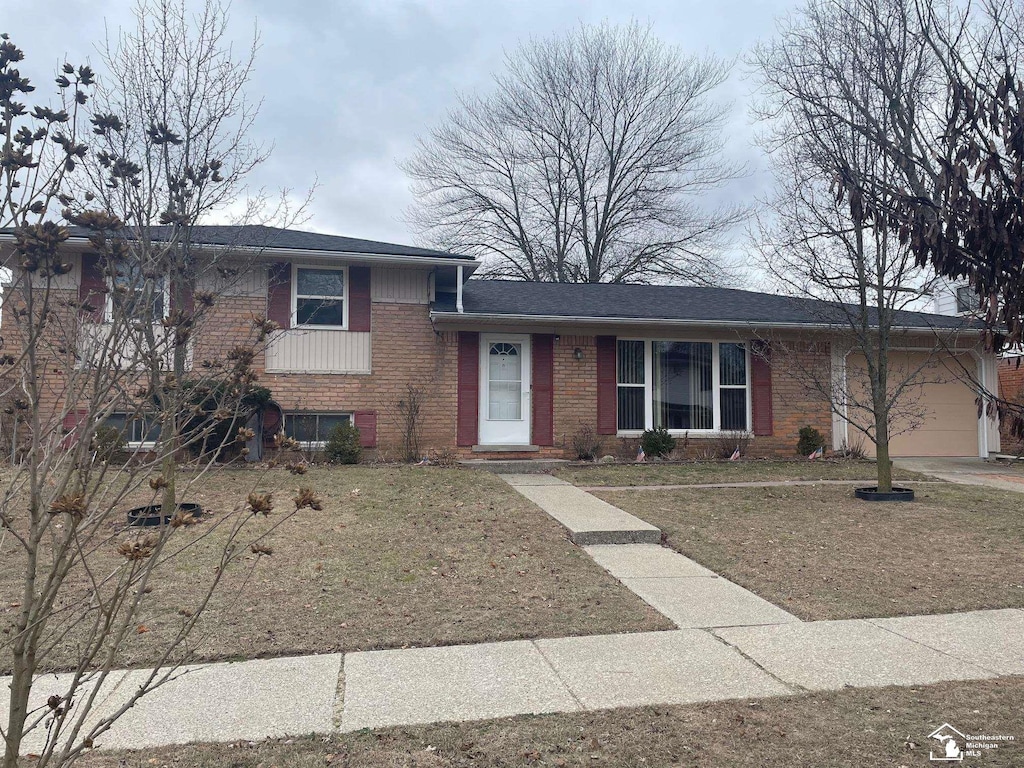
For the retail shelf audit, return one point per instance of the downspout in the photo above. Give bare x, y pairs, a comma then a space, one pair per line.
458, 289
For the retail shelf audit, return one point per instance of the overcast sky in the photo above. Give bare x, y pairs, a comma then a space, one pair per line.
348, 85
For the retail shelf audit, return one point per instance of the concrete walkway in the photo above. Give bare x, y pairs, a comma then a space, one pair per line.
730, 644
588, 519
968, 471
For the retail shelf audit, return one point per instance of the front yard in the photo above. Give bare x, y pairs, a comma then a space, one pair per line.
398, 557
821, 554
752, 470
842, 729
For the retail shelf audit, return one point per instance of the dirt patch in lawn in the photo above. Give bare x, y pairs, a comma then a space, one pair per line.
821, 554
691, 473
844, 729
398, 557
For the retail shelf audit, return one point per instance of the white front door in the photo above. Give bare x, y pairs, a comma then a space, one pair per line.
505, 394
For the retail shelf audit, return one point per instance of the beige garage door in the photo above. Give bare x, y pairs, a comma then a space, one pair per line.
939, 403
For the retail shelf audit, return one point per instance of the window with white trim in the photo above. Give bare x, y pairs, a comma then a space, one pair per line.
313, 429
631, 384
319, 297
966, 299
138, 430
134, 296
683, 386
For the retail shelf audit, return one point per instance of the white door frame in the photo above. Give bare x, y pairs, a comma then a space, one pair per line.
505, 432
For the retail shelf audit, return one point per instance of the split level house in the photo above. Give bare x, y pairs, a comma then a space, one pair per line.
508, 369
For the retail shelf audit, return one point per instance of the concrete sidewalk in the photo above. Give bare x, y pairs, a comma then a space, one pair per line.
321, 694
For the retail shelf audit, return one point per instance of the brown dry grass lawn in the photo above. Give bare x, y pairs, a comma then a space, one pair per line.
754, 470
414, 557
821, 554
842, 729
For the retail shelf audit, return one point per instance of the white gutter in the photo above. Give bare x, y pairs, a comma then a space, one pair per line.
300, 253
585, 320
458, 290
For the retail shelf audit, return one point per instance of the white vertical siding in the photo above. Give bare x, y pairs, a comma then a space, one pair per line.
313, 351
94, 348
944, 297
249, 280
400, 285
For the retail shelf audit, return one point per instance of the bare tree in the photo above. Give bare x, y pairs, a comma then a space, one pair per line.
836, 65
944, 109
587, 162
172, 127
83, 576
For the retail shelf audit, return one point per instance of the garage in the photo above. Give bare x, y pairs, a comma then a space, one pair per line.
938, 402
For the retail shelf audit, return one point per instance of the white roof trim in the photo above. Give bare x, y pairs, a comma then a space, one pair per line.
585, 320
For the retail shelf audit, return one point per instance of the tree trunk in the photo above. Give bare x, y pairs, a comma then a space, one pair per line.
882, 450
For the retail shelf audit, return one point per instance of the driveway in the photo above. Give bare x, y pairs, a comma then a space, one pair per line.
969, 471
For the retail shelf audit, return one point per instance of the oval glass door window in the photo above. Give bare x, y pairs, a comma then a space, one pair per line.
505, 382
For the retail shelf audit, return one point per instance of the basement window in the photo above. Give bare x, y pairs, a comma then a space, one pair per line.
311, 430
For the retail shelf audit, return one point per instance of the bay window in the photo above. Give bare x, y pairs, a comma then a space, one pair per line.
683, 386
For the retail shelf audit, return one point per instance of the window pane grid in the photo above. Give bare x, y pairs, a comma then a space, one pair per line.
696, 386
319, 296
631, 382
313, 428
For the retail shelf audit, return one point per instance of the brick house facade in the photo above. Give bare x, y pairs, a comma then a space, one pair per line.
508, 370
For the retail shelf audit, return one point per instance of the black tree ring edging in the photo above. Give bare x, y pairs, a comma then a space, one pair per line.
873, 494
152, 514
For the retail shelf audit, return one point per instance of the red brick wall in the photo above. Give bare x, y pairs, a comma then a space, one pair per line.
407, 350
1011, 388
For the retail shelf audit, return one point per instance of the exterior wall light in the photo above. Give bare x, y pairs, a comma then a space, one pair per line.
577, 353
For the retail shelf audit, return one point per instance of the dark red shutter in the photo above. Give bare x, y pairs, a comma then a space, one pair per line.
606, 386
469, 388
366, 423
761, 386
359, 298
72, 419
188, 298
92, 288
279, 294
543, 373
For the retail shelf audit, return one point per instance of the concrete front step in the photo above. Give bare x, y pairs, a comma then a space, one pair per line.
588, 519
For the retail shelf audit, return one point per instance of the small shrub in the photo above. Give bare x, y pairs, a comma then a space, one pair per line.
585, 443
107, 442
657, 443
810, 441
343, 445
443, 457
854, 449
727, 442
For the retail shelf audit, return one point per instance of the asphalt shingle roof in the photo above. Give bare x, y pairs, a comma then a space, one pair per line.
259, 236
659, 302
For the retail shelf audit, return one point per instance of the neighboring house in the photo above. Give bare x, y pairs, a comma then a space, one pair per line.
514, 369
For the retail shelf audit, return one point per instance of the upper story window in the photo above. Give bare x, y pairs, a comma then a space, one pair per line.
320, 297
133, 296
966, 299
684, 386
